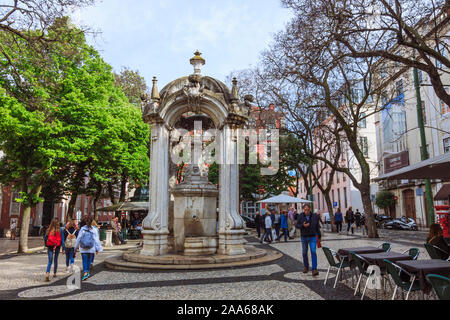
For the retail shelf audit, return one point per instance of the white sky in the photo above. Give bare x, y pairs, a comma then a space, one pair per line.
159, 37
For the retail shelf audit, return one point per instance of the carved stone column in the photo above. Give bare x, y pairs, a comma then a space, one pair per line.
156, 224
231, 225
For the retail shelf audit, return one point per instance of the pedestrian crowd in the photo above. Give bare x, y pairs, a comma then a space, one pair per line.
273, 226
73, 238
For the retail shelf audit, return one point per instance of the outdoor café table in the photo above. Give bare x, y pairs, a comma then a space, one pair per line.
378, 258
422, 268
343, 253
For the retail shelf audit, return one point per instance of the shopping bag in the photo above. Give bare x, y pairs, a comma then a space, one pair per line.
292, 232
274, 235
319, 244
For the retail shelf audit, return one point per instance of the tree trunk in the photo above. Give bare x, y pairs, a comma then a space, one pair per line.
370, 217
330, 210
71, 208
25, 227
111, 193
123, 188
96, 198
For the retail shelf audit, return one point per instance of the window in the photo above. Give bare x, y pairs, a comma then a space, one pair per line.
344, 178
362, 123
399, 87
337, 177
318, 201
333, 197
424, 113
15, 206
78, 204
363, 144
420, 75
447, 145
441, 49
345, 197
86, 203
383, 73
339, 198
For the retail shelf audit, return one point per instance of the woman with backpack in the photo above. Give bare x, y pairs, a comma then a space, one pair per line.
53, 241
88, 242
70, 236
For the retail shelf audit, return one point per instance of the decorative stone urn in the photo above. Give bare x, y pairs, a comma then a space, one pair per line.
195, 214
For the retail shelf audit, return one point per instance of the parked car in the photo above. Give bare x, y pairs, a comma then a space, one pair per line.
403, 223
249, 221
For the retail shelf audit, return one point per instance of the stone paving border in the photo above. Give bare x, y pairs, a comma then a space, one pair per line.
134, 262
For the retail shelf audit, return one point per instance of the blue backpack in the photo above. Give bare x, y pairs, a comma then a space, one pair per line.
87, 240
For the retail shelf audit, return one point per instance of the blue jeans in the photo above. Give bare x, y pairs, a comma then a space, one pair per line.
52, 259
87, 260
69, 256
268, 234
312, 243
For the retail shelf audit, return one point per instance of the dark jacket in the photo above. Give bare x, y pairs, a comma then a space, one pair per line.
441, 244
338, 217
349, 216
314, 228
358, 217
258, 220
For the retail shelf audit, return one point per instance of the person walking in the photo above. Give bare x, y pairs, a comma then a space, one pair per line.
53, 240
258, 224
358, 217
284, 226
268, 228
94, 225
338, 219
13, 228
70, 235
291, 223
350, 220
88, 243
309, 226
277, 225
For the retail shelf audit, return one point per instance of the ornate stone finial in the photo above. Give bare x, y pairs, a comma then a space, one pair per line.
155, 91
198, 62
234, 90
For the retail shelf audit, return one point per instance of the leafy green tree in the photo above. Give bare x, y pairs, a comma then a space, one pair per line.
64, 119
384, 200
132, 84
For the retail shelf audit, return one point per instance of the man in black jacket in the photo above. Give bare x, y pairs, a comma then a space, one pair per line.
309, 226
258, 223
350, 219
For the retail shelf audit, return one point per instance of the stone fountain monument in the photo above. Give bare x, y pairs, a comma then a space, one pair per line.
185, 226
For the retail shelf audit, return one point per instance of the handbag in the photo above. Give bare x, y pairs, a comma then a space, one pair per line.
319, 243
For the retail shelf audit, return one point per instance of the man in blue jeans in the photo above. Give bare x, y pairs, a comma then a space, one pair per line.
309, 226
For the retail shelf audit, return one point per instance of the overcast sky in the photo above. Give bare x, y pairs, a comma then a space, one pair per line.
159, 37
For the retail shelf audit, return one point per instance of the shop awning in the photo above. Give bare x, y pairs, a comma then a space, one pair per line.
444, 193
434, 168
126, 206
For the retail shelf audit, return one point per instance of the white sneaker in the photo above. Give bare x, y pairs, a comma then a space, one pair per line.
68, 269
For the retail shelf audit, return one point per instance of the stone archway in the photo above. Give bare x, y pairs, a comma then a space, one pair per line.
200, 95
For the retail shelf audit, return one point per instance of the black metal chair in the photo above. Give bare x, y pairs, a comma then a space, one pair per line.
341, 265
413, 252
385, 246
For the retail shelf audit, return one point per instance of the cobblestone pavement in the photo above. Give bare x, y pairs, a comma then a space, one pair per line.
8, 246
21, 276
